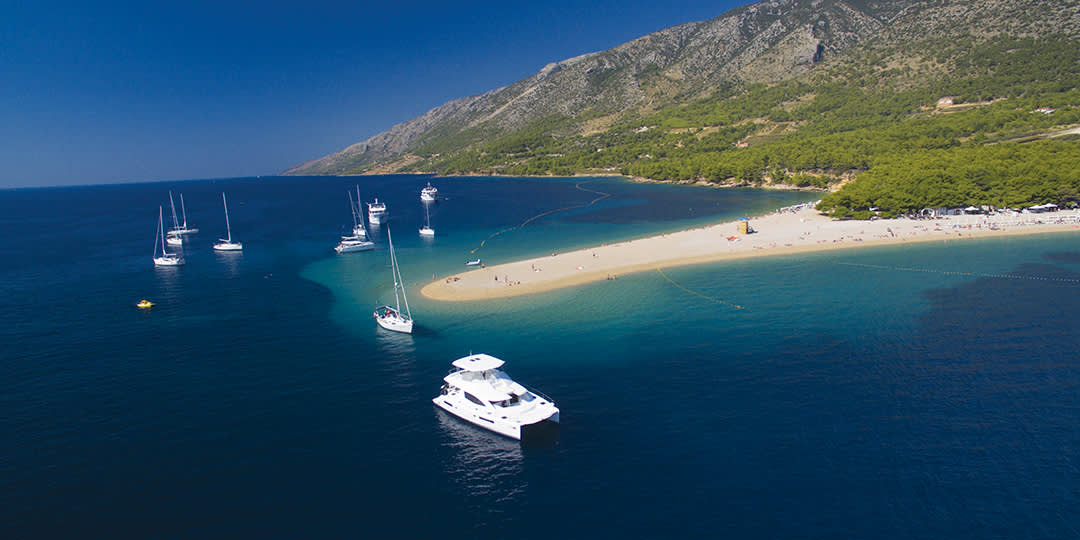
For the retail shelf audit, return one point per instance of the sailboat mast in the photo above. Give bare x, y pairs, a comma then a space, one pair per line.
158, 232
228, 230
399, 282
360, 210
393, 270
352, 208
176, 224
404, 298
183, 210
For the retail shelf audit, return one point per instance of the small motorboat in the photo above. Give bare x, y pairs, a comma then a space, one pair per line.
144, 303
473, 263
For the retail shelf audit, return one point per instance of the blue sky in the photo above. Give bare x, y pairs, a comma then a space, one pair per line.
114, 92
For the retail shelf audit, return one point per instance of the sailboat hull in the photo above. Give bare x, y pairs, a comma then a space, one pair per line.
395, 324
228, 246
390, 319
168, 260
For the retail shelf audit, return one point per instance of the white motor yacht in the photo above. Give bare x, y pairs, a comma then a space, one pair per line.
376, 212
478, 392
429, 193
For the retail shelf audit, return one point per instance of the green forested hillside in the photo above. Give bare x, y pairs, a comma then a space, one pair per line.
879, 123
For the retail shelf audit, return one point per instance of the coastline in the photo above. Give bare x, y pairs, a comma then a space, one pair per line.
636, 179
779, 233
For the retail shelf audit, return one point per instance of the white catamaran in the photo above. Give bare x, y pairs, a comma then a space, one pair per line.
227, 244
166, 258
391, 318
478, 391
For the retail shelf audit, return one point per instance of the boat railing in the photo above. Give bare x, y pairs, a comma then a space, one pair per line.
541, 394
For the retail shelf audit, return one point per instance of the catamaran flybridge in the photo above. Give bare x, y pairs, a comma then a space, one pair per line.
478, 392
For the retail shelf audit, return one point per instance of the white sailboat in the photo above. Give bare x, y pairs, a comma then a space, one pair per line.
174, 237
166, 258
184, 229
358, 241
226, 244
358, 229
391, 318
426, 230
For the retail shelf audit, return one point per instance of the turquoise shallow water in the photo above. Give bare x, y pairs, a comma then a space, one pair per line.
926, 391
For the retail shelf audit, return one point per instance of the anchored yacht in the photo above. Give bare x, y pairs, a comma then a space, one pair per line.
166, 258
478, 392
429, 194
376, 213
350, 244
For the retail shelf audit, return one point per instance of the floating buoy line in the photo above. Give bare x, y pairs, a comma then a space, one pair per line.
961, 274
548, 213
695, 293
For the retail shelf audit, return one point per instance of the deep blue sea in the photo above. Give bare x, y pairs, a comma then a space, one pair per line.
927, 391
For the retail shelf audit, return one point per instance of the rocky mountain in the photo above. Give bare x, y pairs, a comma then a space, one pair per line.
766, 42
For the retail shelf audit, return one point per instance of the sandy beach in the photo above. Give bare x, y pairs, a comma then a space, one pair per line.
788, 231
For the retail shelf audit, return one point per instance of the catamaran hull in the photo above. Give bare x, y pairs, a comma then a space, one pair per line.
489, 422
541, 431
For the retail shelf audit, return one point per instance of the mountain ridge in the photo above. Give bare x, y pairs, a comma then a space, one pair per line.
805, 93
608, 81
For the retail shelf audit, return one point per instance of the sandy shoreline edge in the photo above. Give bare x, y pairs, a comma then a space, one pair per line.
779, 233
